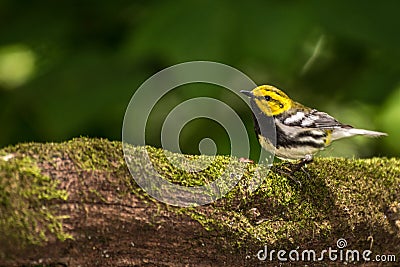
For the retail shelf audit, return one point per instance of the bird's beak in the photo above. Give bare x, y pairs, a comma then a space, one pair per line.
248, 93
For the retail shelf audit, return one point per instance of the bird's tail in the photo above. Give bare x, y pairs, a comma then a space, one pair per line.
353, 131
369, 133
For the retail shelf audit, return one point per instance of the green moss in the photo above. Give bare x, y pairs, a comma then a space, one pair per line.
24, 219
347, 198
341, 198
163, 162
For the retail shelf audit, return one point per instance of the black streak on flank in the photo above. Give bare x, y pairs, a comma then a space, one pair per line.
311, 134
284, 141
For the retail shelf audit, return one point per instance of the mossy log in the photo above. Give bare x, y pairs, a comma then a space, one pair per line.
75, 203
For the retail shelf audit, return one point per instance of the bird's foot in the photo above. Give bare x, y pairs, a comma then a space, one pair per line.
292, 168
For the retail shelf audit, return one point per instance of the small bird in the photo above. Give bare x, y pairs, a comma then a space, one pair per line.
300, 131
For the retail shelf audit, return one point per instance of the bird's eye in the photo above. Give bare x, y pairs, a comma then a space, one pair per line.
281, 105
267, 97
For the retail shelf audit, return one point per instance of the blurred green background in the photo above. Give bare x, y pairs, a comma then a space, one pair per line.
69, 68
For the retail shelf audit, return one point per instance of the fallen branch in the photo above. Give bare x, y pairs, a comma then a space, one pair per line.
75, 203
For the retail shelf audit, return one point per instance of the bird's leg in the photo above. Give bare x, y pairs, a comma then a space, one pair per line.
295, 167
303, 162
287, 171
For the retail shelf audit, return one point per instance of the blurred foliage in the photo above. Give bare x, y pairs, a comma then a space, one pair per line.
69, 68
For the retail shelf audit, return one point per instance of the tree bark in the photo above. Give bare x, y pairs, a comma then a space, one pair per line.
76, 204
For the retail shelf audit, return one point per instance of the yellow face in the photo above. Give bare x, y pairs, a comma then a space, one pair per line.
271, 100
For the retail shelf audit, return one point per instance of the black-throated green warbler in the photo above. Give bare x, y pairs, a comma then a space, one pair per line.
300, 131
